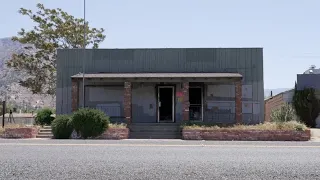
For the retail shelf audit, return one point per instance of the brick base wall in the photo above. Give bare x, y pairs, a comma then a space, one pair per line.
246, 135
115, 133
20, 132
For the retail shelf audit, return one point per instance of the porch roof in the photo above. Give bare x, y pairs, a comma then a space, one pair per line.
157, 75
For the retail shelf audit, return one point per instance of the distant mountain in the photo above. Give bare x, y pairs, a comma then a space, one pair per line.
267, 92
9, 80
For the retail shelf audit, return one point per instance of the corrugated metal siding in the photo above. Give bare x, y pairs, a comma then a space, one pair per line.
247, 61
308, 81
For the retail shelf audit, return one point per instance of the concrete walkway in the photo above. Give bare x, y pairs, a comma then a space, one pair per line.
315, 134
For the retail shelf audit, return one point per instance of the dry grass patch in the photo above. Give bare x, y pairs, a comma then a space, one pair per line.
118, 126
290, 125
1, 131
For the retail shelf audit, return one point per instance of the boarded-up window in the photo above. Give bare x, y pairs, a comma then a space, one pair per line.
247, 91
221, 91
112, 109
106, 93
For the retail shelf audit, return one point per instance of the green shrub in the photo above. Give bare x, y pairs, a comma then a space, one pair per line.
306, 105
44, 117
284, 114
61, 127
89, 122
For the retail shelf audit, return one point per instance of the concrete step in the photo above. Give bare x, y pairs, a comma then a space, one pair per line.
153, 128
46, 127
45, 133
154, 124
45, 130
44, 136
149, 135
155, 131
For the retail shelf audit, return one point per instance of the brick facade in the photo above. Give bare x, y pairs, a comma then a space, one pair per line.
272, 104
128, 101
238, 103
186, 103
74, 95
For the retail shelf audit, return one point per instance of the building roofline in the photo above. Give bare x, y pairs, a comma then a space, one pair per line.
278, 94
168, 48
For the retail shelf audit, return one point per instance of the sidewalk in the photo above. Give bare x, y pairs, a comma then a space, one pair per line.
315, 134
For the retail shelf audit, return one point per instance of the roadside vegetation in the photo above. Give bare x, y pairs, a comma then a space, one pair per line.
284, 118
44, 117
118, 125
306, 105
85, 122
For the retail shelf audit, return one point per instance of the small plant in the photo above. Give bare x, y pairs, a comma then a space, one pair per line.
89, 122
61, 127
44, 117
284, 114
118, 126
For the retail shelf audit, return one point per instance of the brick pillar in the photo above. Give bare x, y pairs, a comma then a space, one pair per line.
238, 89
127, 101
185, 105
74, 95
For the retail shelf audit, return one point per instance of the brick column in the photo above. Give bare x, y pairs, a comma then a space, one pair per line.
74, 95
127, 101
238, 90
185, 105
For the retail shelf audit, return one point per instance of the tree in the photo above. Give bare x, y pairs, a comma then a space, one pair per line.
307, 105
54, 29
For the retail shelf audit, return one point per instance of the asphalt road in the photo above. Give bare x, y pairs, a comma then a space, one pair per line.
158, 159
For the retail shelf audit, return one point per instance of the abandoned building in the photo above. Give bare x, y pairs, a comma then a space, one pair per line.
169, 85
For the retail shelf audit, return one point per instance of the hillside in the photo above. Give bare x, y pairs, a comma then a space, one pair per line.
9, 78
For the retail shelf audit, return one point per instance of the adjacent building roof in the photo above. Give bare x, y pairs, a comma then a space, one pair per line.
159, 75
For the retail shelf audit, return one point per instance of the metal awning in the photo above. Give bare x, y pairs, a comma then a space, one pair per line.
157, 75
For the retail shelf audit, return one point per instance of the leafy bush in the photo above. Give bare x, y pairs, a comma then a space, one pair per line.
284, 114
89, 122
61, 127
44, 117
306, 105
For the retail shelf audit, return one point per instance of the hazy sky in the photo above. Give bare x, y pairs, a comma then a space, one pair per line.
288, 30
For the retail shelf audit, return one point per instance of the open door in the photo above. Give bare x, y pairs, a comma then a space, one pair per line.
166, 104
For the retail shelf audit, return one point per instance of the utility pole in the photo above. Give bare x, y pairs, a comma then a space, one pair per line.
3, 112
84, 50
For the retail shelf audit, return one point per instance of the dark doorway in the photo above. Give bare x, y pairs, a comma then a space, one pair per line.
195, 99
166, 104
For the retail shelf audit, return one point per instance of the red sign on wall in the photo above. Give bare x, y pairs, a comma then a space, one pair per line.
179, 94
